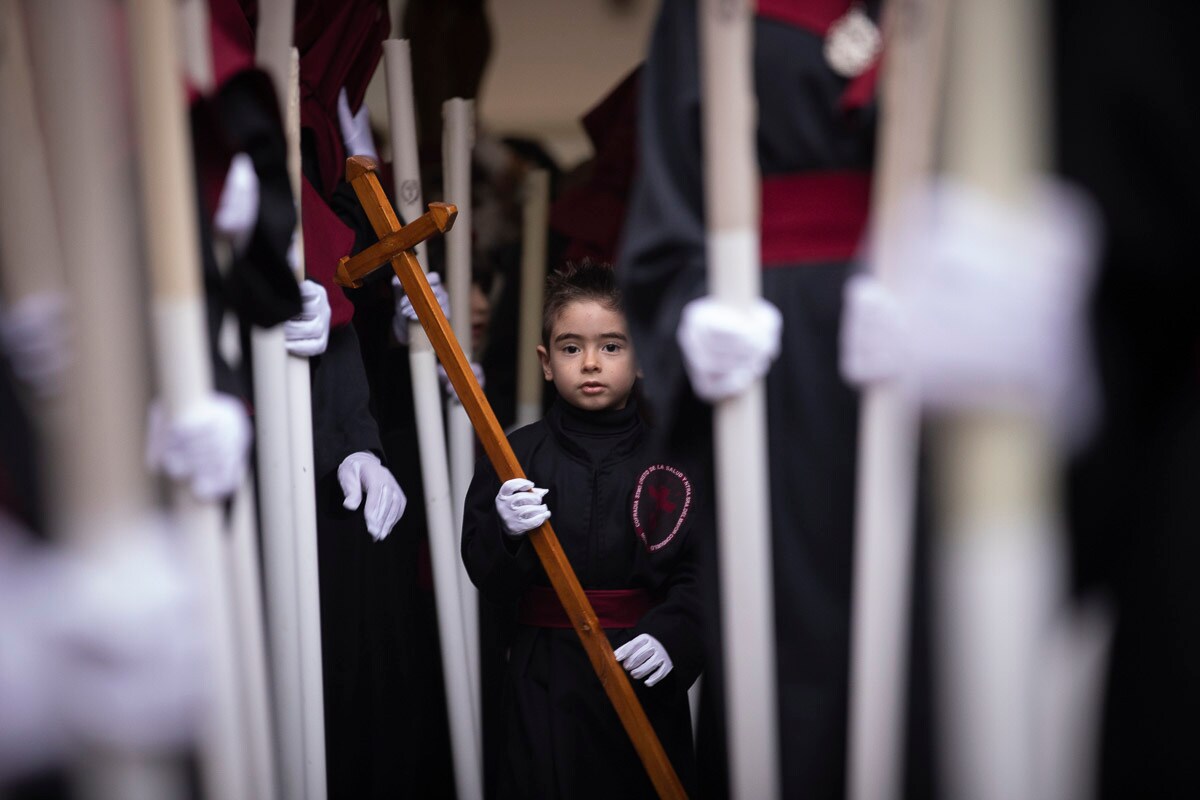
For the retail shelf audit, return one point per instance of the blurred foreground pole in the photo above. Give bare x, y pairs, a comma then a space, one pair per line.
183, 360
304, 488
28, 234
732, 200
458, 142
535, 218
889, 420
461, 694
995, 472
241, 539
286, 493
101, 482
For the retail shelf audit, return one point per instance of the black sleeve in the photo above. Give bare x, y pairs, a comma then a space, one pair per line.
499, 565
260, 286
342, 421
661, 263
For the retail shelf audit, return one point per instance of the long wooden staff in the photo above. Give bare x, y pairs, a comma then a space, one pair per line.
105, 489
889, 419
173, 248
394, 247
731, 195
454, 634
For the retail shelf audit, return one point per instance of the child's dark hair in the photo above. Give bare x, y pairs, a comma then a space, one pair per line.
578, 281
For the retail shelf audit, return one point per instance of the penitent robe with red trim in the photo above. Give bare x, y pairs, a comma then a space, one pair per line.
815, 141
626, 520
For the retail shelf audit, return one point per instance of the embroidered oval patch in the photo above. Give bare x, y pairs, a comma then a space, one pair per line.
660, 505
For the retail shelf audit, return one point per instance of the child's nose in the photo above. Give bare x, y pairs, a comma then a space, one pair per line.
591, 361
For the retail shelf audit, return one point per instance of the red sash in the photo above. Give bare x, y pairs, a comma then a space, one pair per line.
616, 608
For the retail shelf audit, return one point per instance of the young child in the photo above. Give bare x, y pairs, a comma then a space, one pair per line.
630, 524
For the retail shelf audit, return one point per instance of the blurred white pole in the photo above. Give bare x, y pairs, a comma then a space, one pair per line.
246, 569
535, 205
183, 360
465, 738
104, 488
304, 493
732, 202
889, 420
402, 122
279, 552
995, 471
458, 141
240, 542
276, 491
28, 234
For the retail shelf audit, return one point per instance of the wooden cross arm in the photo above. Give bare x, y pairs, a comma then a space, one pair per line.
545, 543
352, 270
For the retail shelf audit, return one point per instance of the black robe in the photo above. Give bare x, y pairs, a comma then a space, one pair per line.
562, 737
1127, 127
804, 129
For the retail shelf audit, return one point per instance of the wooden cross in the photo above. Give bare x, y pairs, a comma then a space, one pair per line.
395, 243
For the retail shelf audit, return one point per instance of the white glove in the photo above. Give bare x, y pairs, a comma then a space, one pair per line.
37, 339
644, 655
237, 210
875, 333
448, 387
362, 473
988, 310
100, 646
356, 128
520, 506
128, 635
206, 446
31, 734
307, 333
405, 312
725, 349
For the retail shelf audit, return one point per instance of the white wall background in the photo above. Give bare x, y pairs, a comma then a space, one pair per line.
551, 61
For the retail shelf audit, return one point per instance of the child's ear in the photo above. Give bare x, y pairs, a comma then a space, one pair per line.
544, 357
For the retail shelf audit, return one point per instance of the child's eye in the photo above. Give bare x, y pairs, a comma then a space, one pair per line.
611, 347
570, 349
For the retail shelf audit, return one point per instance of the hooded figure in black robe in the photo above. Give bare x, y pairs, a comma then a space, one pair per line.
815, 149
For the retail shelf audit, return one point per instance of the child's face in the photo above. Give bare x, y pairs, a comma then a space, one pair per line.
590, 357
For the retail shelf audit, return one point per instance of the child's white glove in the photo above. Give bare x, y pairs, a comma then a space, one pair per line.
725, 348
356, 128
307, 333
206, 445
363, 473
405, 313
644, 655
519, 504
237, 209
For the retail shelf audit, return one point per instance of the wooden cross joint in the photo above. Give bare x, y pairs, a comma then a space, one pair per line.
394, 238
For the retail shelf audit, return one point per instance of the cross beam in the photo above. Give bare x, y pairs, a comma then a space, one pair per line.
396, 245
